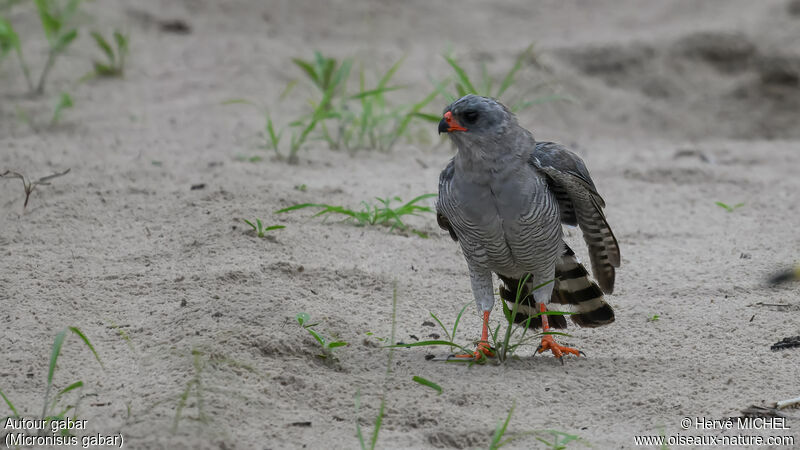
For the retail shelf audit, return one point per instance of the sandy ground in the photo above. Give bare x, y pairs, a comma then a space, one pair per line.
676, 105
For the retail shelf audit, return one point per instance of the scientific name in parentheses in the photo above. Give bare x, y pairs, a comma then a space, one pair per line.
741, 423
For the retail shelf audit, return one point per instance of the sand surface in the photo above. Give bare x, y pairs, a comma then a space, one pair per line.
675, 105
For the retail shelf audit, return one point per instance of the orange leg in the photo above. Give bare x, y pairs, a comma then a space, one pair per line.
548, 343
483, 350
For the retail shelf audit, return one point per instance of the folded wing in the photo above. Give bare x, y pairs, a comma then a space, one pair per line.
581, 205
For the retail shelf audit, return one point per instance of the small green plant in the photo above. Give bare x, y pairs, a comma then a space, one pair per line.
114, 66
486, 85
427, 383
9, 41
55, 19
729, 208
506, 347
451, 336
376, 425
29, 185
500, 431
654, 318
64, 102
193, 387
326, 345
49, 409
558, 439
375, 214
352, 121
194, 393
260, 229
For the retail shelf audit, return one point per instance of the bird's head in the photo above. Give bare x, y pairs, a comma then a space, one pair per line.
475, 118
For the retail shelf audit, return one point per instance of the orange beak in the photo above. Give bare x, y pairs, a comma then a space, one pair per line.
449, 124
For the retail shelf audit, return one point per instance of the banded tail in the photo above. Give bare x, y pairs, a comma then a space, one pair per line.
572, 287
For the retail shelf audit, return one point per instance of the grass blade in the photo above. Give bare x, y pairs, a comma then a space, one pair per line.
509, 79
501, 430
378, 422
461, 74
88, 344
64, 102
429, 344
375, 92
64, 40
10, 405
104, 46
308, 69
428, 383
446, 333
458, 319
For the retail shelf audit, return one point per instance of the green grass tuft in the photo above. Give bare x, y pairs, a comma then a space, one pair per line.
114, 65
50, 408
488, 86
260, 229
513, 338
729, 208
326, 345
376, 214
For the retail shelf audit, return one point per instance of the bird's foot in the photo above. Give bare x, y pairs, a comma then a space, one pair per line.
548, 343
483, 351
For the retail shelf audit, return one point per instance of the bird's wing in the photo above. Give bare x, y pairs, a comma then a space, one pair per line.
445, 178
580, 204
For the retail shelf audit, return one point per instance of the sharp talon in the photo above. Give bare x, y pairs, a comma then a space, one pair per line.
562, 361
582, 354
548, 343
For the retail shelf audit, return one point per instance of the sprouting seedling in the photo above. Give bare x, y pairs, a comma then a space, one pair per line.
654, 318
9, 41
500, 431
260, 229
486, 86
301, 128
376, 425
375, 214
510, 342
64, 102
114, 66
54, 354
451, 336
327, 74
729, 208
558, 440
54, 21
29, 185
48, 409
326, 345
507, 348
427, 383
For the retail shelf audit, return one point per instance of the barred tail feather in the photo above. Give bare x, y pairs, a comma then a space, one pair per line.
574, 287
527, 309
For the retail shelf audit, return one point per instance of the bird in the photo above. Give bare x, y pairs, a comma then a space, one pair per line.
504, 197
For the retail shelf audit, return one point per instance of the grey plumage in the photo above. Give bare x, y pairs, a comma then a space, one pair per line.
504, 196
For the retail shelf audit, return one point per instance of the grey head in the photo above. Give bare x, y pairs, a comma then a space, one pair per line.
473, 119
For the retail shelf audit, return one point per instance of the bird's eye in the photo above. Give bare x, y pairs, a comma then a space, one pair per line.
470, 117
